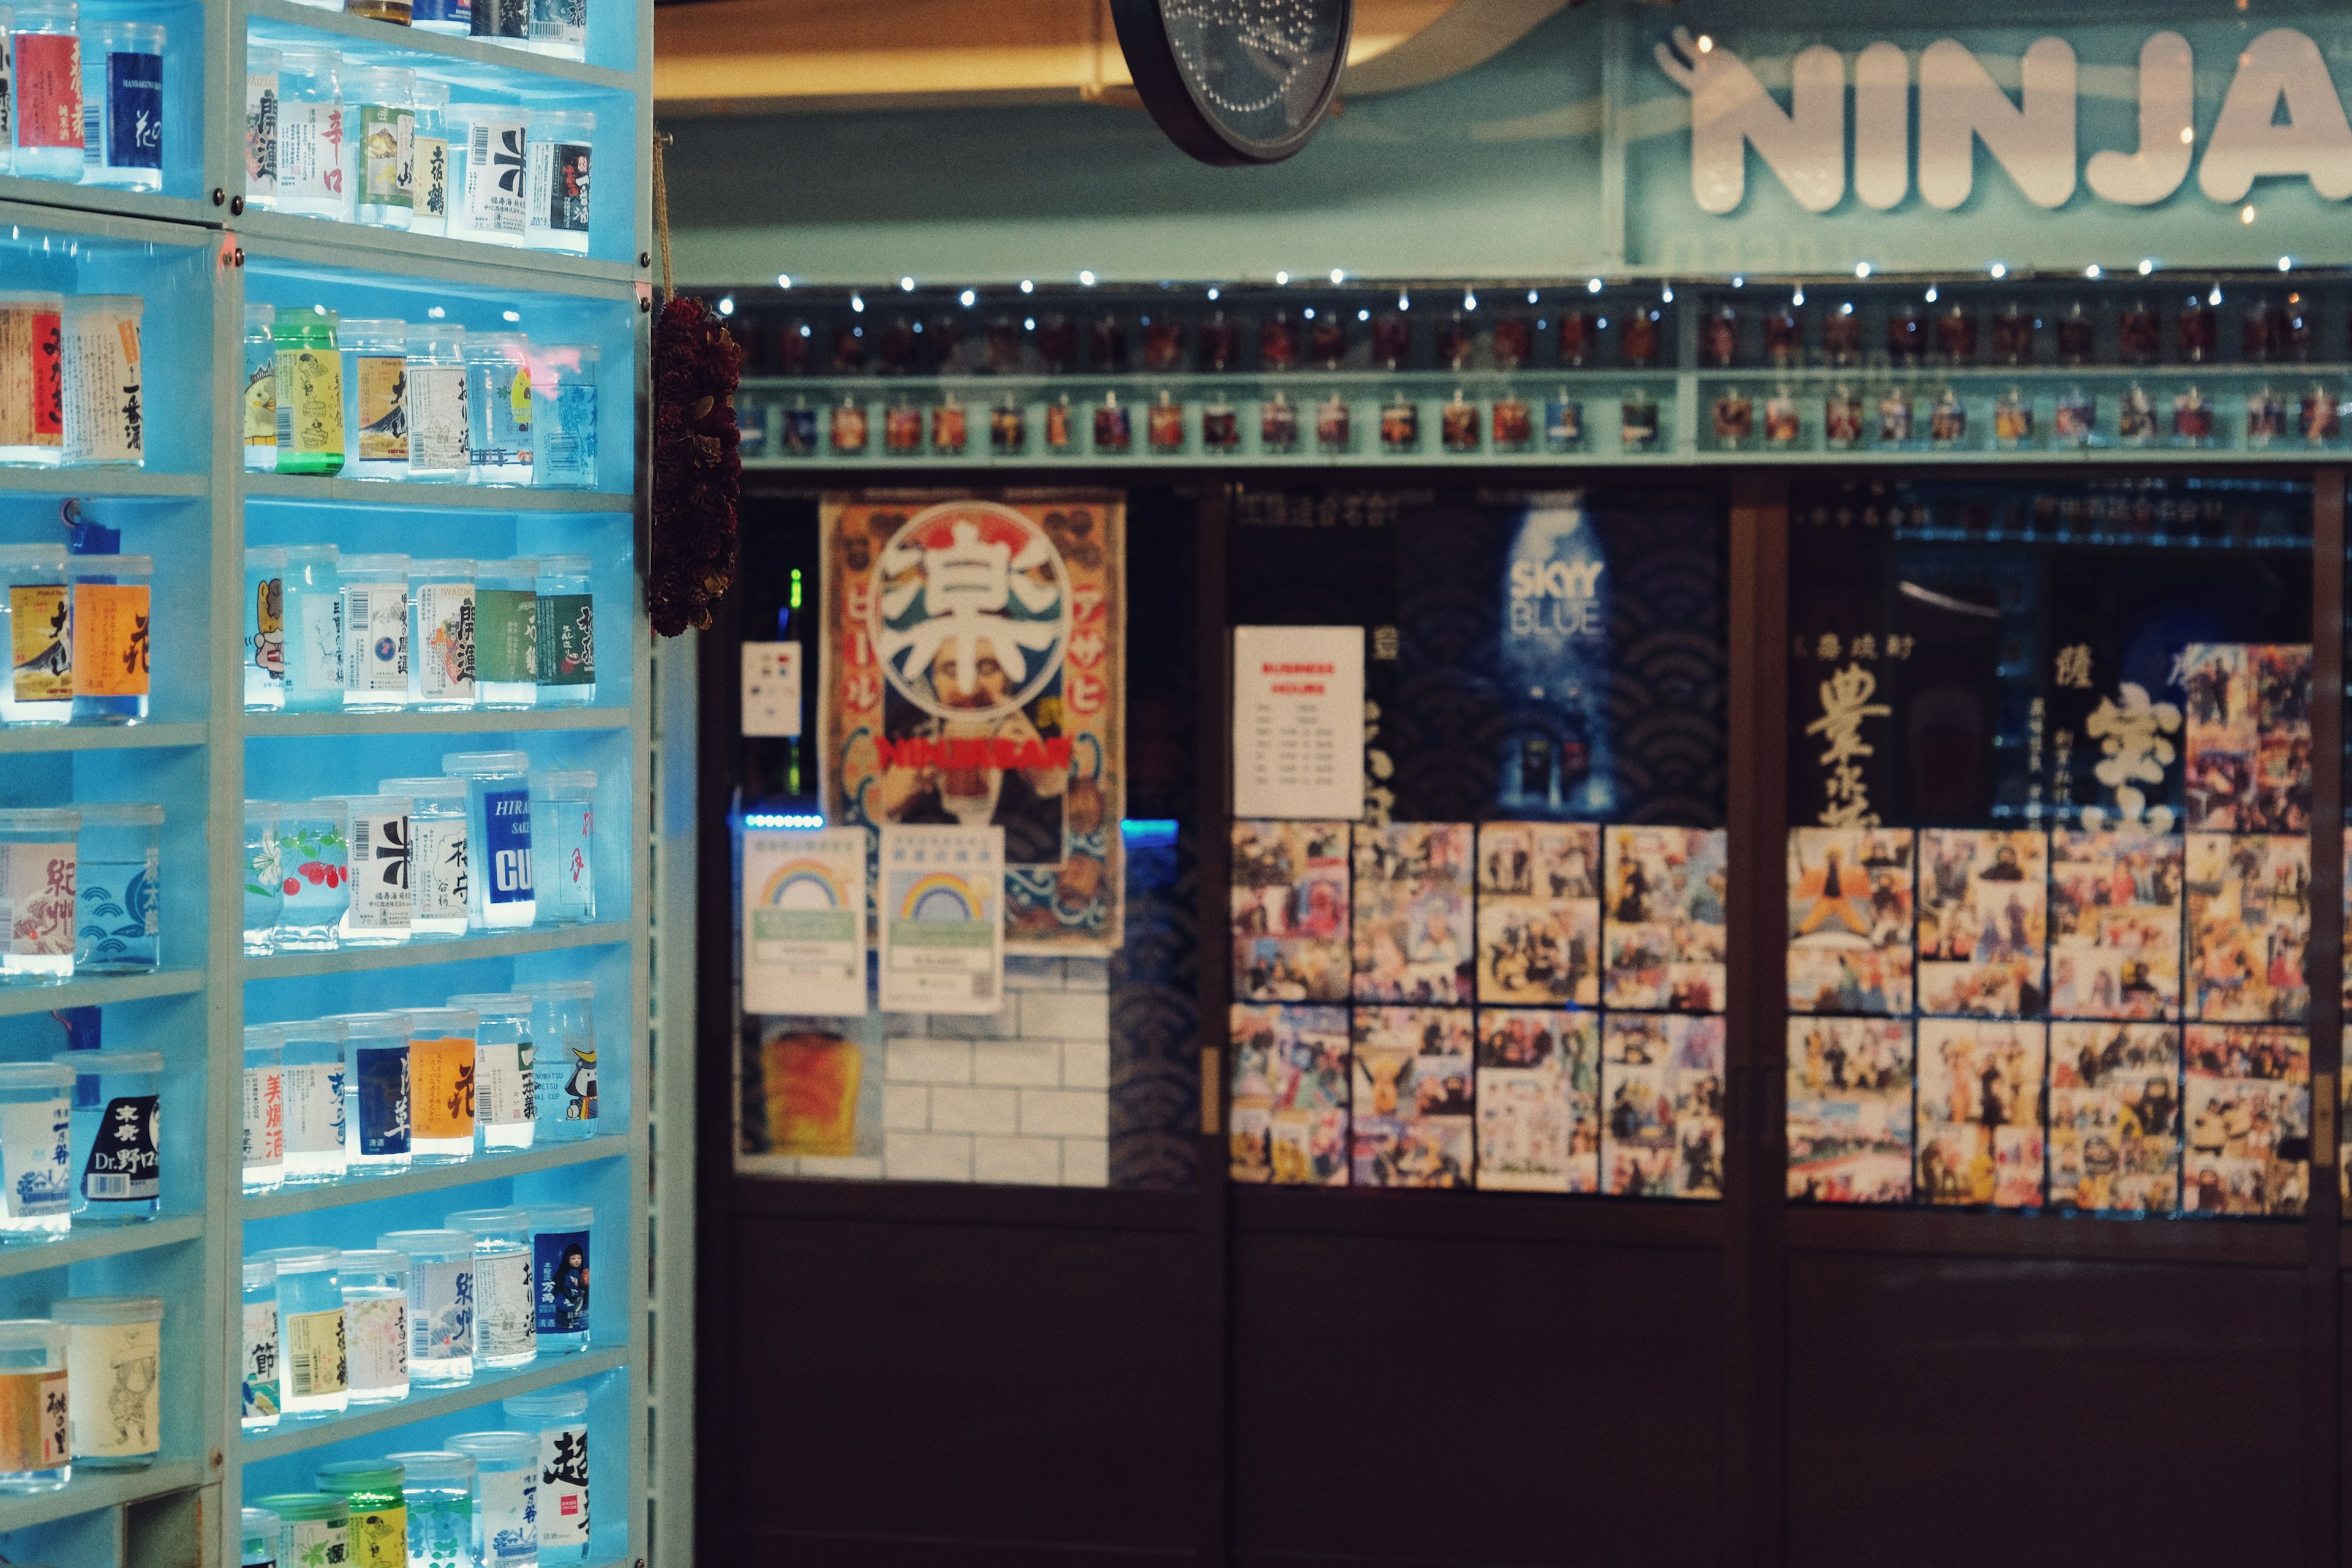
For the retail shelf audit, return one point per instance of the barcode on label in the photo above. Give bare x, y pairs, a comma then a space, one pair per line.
361, 840
304, 1366
92, 150
104, 1186
285, 426
478, 153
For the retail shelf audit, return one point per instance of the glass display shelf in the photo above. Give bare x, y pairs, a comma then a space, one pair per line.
99, 991
270, 232
265, 725
99, 1241
416, 497
101, 738
431, 1178
90, 1491
488, 65
451, 950
98, 481
425, 1402
103, 199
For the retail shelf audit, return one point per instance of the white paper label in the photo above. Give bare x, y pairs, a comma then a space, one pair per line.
505, 1324
316, 1358
377, 638
509, 1517
436, 866
502, 1086
37, 899
260, 1373
36, 1158
378, 1335
314, 1107
804, 922
113, 1388
1298, 722
310, 152
441, 1297
436, 418
264, 1116
771, 689
445, 661
105, 418
563, 1491
320, 644
494, 163
379, 861
942, 922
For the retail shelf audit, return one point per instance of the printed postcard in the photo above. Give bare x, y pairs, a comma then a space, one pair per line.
2249, 925
1662, 1106
2249, 736
1539, 914
1979, 1117
2114, 924
2114, 1116
1289, 1095
1289, 900
1412, 940
1538, 1100
1849, 1118
1415, 1074
1663, 924
1850, 907
2247, 1111
1982, 907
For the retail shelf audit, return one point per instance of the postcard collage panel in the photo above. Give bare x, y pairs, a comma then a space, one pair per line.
2009, 1017
1530, 1007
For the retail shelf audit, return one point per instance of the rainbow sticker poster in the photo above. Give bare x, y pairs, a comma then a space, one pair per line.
805, 923
942, 922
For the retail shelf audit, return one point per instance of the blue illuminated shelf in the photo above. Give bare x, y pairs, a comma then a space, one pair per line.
99, 1241
264, 726
99, 991
101, 738
265, 232
127, 482
92, 1489
454, 949
491, 66
100, 199
424, 1404
434, 1178
313, 490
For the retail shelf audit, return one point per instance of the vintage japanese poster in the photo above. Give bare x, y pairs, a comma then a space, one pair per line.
2249, 924
1849, 1120
1664, 919
1538, 1100
1414, 1078
1289, 896
804, 922
2114, 1116
942, 946
2249, 733
1982, 935
2114, 924
2247, 1112
1979, 1134
974, 675
1539, 913
1289, 1096
1662, 1106
1412, 935
1850, 905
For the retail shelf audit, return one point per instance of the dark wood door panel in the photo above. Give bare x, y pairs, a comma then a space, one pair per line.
1411, 1401
1950, 1412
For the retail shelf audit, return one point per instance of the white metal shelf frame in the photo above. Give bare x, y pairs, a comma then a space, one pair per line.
209, 226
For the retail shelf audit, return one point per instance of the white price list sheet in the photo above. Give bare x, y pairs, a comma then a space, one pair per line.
1298, 721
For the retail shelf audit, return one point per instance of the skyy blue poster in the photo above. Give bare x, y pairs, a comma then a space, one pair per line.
1553, 665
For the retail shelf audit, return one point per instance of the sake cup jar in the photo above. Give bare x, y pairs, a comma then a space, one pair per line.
114, 1364
119, 930
36, 1443
35, 627
39, 861
117, 1140
264, 876
310, 1345
36, 1152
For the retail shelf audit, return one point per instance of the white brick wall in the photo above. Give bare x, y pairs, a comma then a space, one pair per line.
1020, 1096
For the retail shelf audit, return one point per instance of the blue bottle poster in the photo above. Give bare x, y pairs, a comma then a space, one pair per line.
1554, 666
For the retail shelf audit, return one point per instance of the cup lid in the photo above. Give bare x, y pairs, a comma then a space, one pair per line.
567, 779
440, 566
563, 1216
437, 1468
564, 565
375, 1261
315, 1030
90, 1064
490, 1002
265, 555
300, 1259
35, 1075
264, 1037
259, 1524
484, 1222
40, 819
372, 1474
557, 1401
513, 567
112, 565
427, 1020
498, 1447
425, 789
120, 815
393, 563
308, 1508
565, 990
109, 1309
29, 1333
485, 765
426, 1240
259, 1271
20, 557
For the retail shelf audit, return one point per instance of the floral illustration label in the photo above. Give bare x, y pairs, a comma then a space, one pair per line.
115, 1394
317, 1359
36, 1158
445, 663
37, 896
383, 1100
560, 1273
377, 1335
259, 1377
313, 1543
110, 639
441, 1086
508, 1325
314, 1107
122, 1166
442, 1325
40, 657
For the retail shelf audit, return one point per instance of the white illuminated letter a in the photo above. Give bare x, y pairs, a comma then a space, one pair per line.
2247, 144
1731, 111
